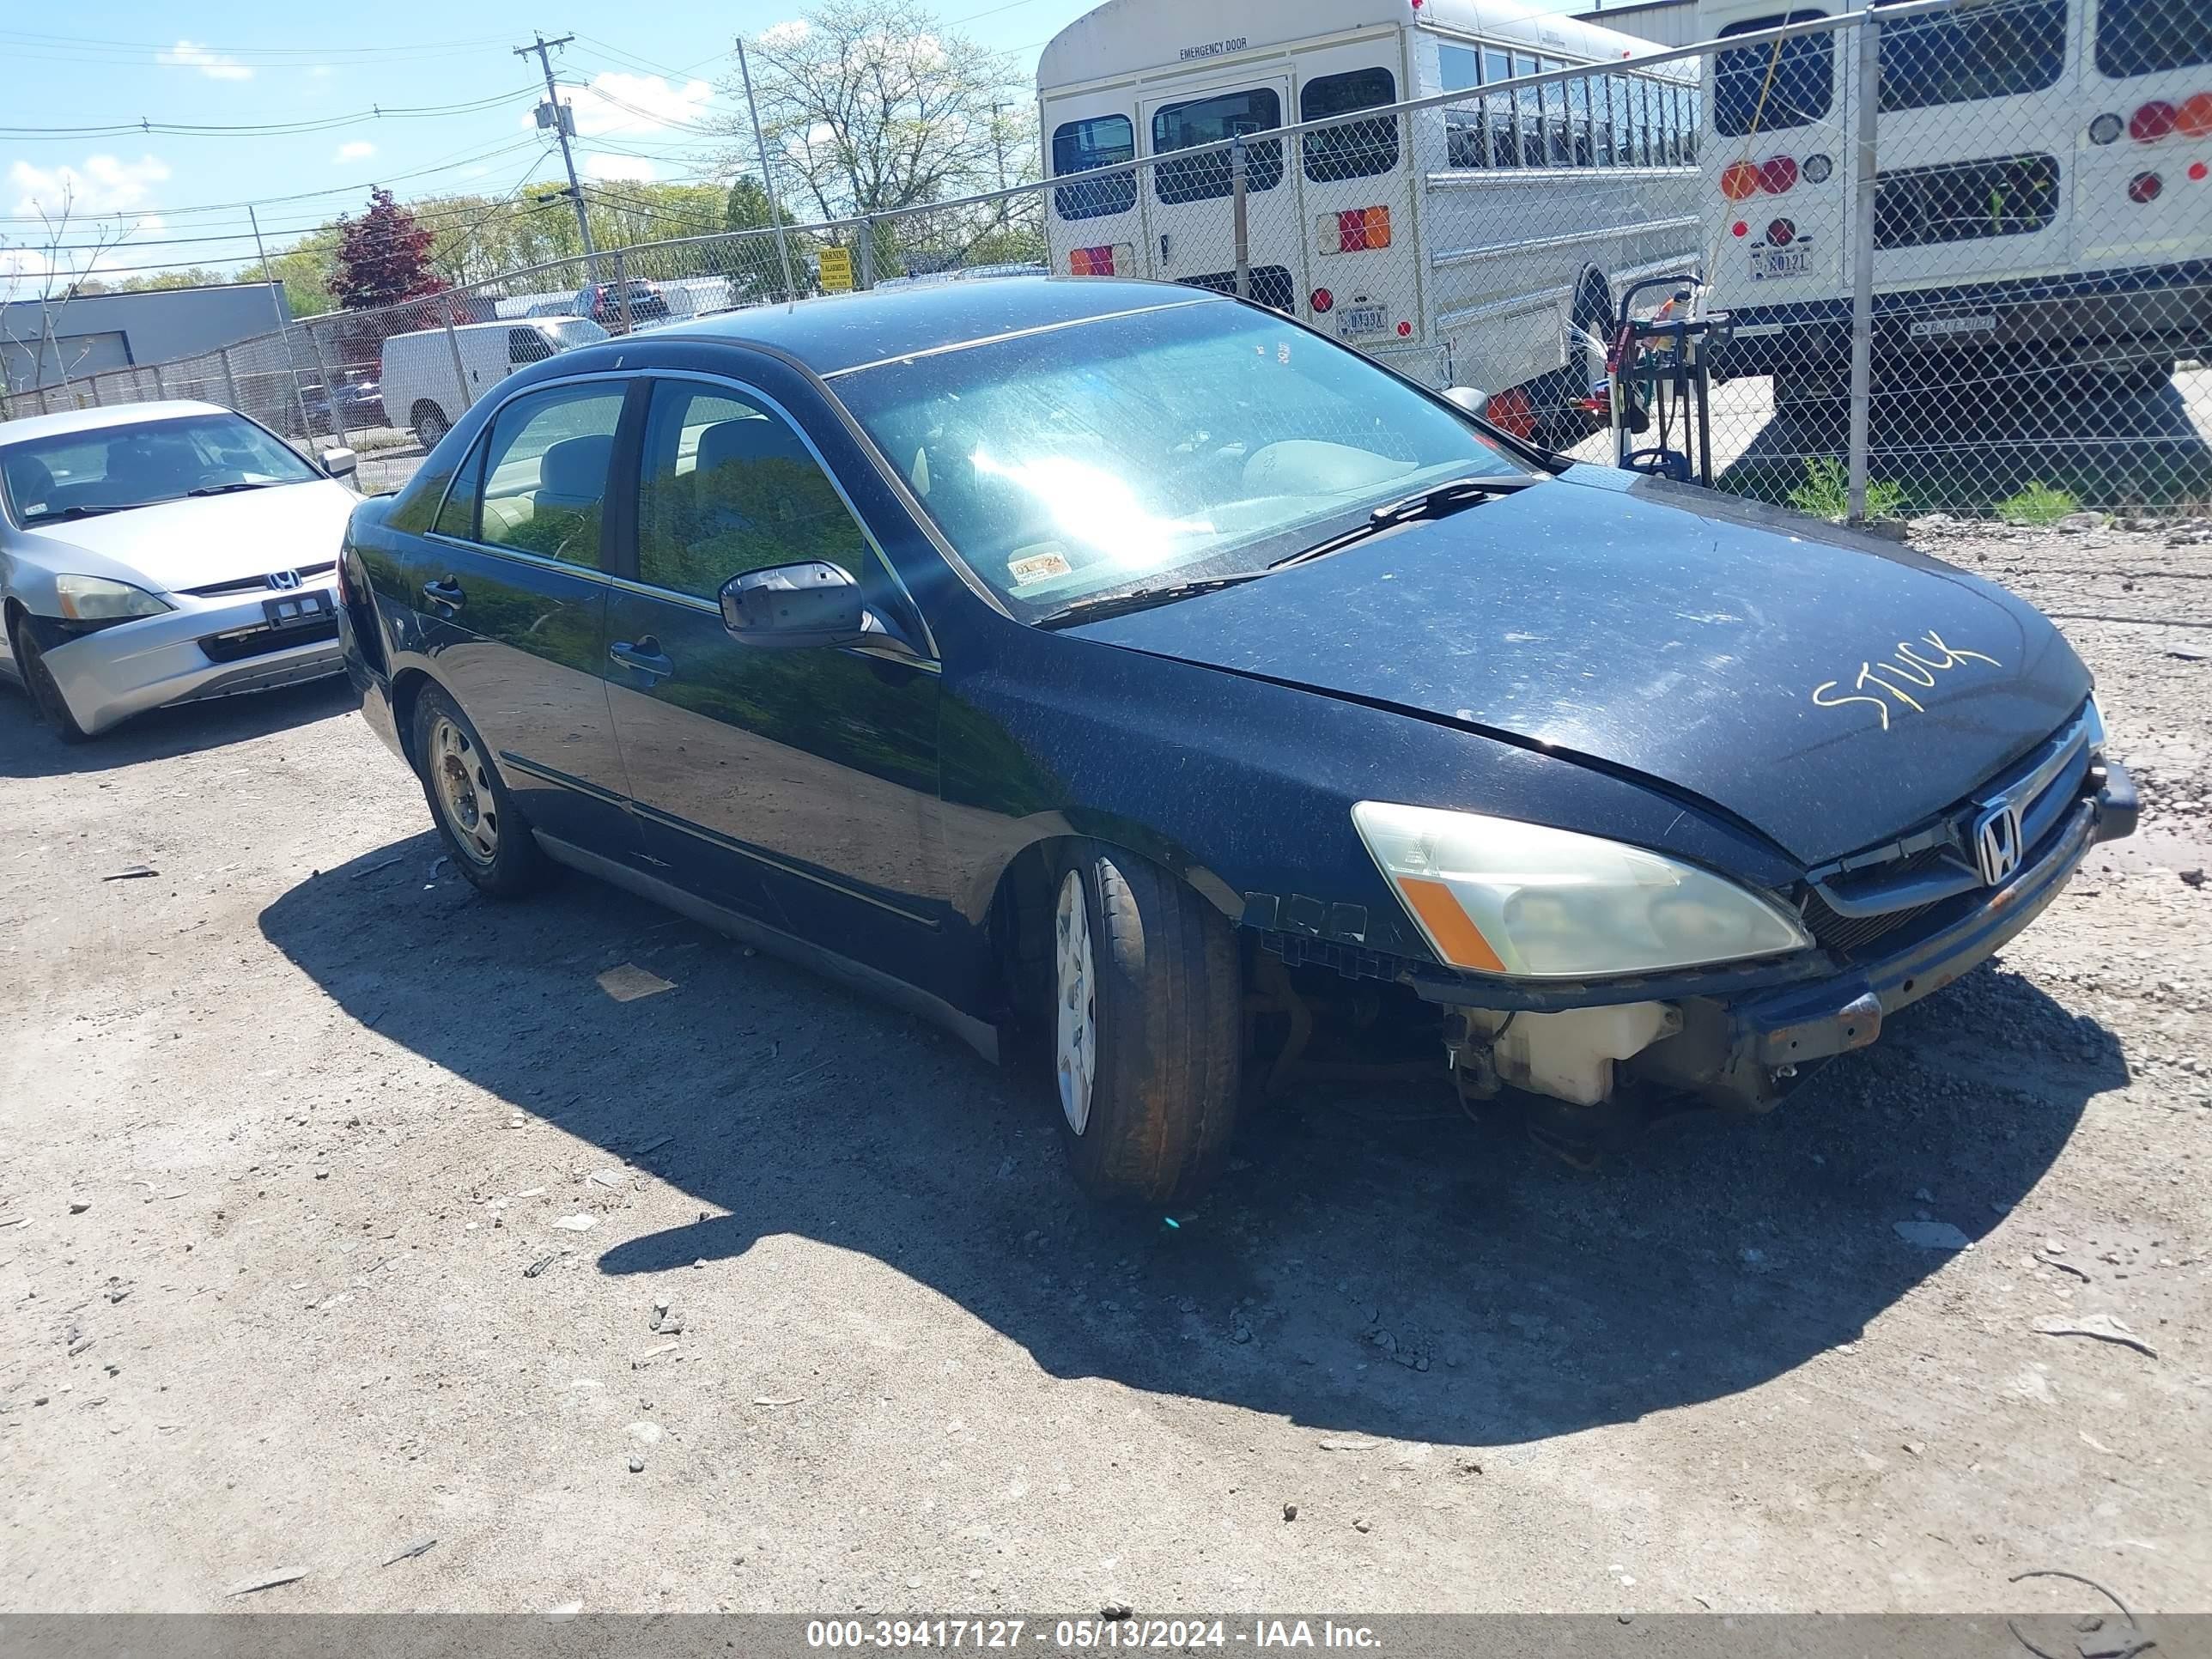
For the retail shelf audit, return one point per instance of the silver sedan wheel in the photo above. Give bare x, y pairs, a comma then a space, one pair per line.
1077, 1044
458, 774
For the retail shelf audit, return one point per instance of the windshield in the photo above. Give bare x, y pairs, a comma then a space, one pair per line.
574, 332
1162, 447
72, 474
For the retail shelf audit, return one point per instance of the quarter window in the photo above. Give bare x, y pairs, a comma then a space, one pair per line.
1209, 120
544, 477
1357, 149
2141, 37
1983, 52
727, 486
1102, 141
1782, 83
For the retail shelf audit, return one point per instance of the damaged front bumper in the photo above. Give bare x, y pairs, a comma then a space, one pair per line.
1741, 1036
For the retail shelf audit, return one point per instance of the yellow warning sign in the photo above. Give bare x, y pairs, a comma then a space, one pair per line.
836, 271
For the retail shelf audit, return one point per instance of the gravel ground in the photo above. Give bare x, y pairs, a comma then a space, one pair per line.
339, 1208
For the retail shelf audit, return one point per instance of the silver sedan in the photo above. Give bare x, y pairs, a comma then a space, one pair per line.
160, 553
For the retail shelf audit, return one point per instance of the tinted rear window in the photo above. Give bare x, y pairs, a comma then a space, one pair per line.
2008, 196
1988, 51
1209, 120
1357, 150
1784, 83
2141, 37
1102, 141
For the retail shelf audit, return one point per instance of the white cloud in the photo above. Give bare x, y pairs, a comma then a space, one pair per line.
322, 71
189, 54
788, 33
358, 149
615, 102
103, 185
606, 168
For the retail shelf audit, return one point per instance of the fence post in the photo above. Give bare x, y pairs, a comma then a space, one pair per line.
161, 386
868, 251
92, 382
229, 379
330, 386
621, 288
1238, 169
453, 345
1862, 212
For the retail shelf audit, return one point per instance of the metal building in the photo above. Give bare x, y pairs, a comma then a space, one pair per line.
1662, 22
46, 342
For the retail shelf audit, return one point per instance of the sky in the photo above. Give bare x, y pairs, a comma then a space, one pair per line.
644, 79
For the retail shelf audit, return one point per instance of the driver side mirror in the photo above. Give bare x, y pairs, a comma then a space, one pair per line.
339, 463
792, 606
1466, 398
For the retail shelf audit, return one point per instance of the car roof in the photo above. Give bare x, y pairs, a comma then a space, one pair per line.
851, 331
94, 420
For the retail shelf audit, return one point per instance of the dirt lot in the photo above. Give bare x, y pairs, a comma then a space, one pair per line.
289, 1131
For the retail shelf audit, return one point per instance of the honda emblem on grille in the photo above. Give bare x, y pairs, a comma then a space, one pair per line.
283, 581
1996, 842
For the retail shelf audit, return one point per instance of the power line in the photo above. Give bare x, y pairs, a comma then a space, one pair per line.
273, 128
100, 42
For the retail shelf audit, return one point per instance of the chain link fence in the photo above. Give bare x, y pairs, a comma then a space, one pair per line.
1964, 251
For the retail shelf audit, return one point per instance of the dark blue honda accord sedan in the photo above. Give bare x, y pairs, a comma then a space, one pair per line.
1134, 669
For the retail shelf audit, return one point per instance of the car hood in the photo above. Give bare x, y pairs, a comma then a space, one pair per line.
178, 545
1826, 688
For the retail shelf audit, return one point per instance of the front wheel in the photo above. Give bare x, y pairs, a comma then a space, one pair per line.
46, 693
1147, 1028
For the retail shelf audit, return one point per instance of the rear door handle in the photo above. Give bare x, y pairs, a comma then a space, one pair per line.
446, 591
645, 655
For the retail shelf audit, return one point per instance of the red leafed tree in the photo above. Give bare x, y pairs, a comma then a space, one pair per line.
383, 257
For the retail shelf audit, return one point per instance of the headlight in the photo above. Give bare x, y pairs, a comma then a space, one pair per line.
1499, 897
95, 598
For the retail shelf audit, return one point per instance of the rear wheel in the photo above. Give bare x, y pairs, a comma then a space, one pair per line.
46, 694
1817, 399
1146, 1027
484, 830
429, 422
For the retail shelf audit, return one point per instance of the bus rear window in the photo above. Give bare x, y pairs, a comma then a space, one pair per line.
1965, 202
1784, 83
1207, 121
1102, 141
1988, 51
1357, 150
2142, 37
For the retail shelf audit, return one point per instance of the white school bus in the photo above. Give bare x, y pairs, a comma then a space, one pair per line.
1476, 241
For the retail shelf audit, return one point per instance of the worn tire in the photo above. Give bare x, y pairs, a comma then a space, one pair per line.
485, 833
1165, 1028
45, 695
429, 422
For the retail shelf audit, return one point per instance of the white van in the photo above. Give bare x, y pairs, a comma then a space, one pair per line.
421, 389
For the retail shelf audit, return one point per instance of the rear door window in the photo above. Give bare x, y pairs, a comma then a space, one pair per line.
1209, 120
545, 479
1781, 84
1357, 149
2142, 37
1981, 52
1101, 141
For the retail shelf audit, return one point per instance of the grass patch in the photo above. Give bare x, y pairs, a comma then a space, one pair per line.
2037, 504
1827, 493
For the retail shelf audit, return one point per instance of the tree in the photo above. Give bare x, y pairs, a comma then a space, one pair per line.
383, 257
305, 269
37, 282
874, 105
747, 207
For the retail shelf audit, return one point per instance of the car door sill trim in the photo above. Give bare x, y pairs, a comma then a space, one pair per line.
731, 844
978, 1034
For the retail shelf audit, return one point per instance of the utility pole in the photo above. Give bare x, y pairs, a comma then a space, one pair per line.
284, 327
555, 115
768, 180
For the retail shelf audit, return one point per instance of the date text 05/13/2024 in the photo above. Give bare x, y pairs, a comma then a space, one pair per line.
1084, 1635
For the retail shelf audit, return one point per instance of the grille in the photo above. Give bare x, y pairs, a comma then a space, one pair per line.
255, 584
260, 642
1844, 935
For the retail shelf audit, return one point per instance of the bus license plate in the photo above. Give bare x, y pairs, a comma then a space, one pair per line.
1768, 263
1362, 319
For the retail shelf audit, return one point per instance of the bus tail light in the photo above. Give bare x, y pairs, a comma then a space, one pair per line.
1323, 301
1740, 181
2144, 187
2153, 121
1781, 233
1817, 169
1102, 260
1355, 231
2194, 119
1777, 177
2106, 128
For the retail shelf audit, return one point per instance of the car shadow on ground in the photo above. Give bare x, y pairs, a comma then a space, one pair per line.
1372, 1262
29, 748
1973, 449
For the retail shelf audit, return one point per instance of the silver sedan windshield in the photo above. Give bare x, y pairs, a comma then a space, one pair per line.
109, 469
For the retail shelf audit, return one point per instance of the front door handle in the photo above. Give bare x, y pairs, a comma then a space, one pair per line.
444, 591
645, 655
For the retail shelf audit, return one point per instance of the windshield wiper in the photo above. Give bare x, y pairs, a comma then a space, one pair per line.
1437, 502
241, 484
1142, 599
82, 511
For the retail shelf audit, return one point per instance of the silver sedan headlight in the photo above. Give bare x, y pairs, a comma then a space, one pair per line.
1495, 896
97, 599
